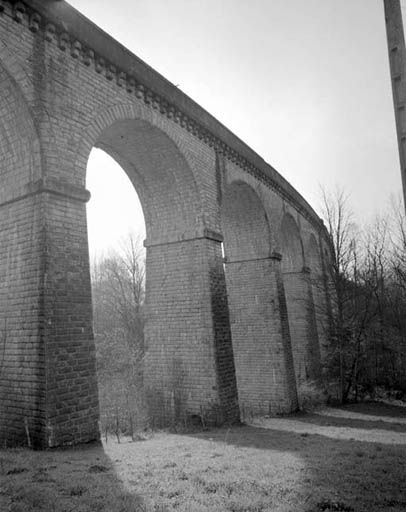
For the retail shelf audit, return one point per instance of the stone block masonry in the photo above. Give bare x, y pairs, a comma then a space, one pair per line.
22, 370
189, 366
303, 329
265, 377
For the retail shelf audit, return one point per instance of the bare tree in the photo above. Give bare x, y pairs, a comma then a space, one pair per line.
398, 285
338, 218
367, 346
118, 282
399, 242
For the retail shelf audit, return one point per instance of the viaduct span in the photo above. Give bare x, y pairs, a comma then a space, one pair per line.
223, 335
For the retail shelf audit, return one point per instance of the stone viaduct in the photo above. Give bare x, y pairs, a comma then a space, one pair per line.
223, 334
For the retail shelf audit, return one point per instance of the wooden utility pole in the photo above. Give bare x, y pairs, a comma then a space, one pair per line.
397, 62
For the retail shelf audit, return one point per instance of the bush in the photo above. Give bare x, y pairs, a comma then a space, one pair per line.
311, 394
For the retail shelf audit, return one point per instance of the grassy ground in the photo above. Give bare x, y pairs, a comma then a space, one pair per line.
344, 459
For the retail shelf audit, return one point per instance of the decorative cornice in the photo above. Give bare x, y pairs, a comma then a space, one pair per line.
56, 33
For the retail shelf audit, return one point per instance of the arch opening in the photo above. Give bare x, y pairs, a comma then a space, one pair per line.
245, 224
318, 284
159, 173
291, 245
183, 311
313, 256
300, 304
261, 342
116, 230
165, 186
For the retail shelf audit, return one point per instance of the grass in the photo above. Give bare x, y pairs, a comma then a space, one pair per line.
349, 460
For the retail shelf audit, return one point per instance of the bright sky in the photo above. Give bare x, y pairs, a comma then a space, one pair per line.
305, 83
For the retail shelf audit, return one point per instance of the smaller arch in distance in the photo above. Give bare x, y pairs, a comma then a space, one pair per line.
291, 245
313, 255
245, 224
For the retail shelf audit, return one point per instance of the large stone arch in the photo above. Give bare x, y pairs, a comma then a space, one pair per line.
21, 354
186, 311
155, 166
260, 332
300, 304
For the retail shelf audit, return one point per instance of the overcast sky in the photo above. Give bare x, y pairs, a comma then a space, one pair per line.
305, 83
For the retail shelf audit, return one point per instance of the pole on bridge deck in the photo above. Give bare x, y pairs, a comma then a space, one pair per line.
397, 62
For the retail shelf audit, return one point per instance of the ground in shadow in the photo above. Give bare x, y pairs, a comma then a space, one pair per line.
80, 480
376, 409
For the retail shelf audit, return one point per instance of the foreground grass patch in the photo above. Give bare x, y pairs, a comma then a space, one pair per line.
282, 465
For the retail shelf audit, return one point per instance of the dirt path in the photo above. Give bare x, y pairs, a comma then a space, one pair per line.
343, 424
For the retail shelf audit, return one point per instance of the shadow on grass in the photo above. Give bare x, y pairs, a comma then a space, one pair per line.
79, 479
375, 409
338, 474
